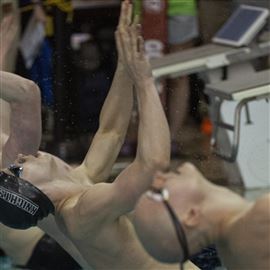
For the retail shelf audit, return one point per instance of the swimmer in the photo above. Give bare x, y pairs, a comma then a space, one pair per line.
23, 135
203, 214
8, 33
20, 132
23, 96
93, 217
110, 136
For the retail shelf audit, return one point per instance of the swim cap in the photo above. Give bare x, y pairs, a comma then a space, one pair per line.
22, 204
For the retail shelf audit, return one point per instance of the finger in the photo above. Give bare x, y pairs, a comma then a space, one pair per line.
122, 14
136, 28
128, 20
125, 46
141, 47
140, 42
134, 39
131, 45
125, 14
118, 44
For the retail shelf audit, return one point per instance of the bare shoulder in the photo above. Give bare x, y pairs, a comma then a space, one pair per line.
84, 199
262, 206
87, 211
95, 199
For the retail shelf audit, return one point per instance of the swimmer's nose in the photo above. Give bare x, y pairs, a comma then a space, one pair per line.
159, 180
21, 158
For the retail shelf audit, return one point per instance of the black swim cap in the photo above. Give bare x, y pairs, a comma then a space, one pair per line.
22, 204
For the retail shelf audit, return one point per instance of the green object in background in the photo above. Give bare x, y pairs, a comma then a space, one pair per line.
182, 7
137, 7
175, 8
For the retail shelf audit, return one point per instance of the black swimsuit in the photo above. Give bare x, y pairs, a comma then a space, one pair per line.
49, 255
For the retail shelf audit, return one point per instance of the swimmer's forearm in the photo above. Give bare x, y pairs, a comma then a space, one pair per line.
15, 89
25, 117
114, 117
153, 137
116, 111
153, 151
114, 120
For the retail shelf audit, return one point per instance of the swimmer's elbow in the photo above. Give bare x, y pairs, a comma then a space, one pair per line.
161, 163
31, 91
154, 157
25, 92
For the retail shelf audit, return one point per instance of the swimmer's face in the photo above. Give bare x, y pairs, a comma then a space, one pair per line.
152, 221
184, 184
41, 168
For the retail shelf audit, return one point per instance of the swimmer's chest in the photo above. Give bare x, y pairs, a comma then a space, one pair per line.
114, 245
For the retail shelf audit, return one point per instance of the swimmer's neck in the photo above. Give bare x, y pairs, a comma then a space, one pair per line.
223, 209
60, 191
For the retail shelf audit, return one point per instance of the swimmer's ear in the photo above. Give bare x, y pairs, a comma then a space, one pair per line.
192, 217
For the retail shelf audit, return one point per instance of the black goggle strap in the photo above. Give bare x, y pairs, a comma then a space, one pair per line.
15, 170
181, 236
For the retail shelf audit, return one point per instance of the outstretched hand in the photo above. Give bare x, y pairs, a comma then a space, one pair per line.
130, 45
125, 20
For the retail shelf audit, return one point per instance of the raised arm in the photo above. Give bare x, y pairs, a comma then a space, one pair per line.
153, 151
107, 202
114, 117
9, 32
23, 97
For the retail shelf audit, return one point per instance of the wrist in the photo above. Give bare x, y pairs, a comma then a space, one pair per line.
145, 82
121, 71
120, 66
